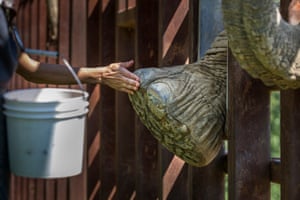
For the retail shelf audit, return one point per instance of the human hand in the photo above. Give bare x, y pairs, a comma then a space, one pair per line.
119, 78
115, 75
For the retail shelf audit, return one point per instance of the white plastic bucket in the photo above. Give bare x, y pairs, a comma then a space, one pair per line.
46, 131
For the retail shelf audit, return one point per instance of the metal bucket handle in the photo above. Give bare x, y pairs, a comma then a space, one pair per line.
67, 64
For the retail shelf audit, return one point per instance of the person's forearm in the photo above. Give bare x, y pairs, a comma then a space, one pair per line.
49, 74
37, 72
115, 75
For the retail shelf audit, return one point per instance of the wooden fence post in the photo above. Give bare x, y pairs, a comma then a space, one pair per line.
248, 136
290, 145
148, 177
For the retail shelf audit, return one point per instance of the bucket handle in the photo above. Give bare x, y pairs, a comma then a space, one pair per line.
67, 64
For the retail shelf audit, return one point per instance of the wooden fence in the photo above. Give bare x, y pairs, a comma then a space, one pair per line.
122, 160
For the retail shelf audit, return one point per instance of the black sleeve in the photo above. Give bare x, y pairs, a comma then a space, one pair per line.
3, 29
8, 51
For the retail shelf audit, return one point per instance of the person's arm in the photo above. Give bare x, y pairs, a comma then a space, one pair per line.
114, 75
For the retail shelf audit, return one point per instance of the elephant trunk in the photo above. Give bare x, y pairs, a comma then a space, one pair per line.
273, 55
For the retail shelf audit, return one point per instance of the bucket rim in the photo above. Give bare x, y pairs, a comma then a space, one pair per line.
43, 116
45, 107
8, 95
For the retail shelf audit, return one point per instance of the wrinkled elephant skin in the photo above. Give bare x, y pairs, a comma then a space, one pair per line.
184, 106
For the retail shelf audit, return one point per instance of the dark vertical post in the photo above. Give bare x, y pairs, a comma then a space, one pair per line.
93, 122
148, 181
290, 145
290, 138
125, 136
107, 34
248, 136
125, 124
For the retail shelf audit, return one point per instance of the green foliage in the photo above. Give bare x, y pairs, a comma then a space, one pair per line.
275, 124
275, 137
